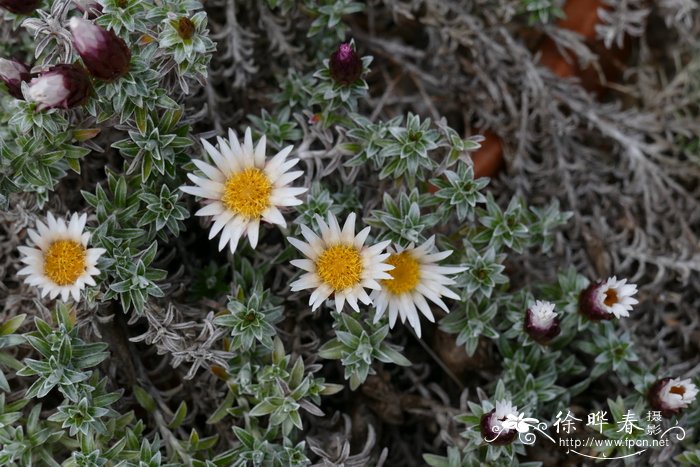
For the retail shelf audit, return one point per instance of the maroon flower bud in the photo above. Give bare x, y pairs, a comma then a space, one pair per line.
491, 426
91, 7
607, 299
185, 28
13, 73
60, 87
345, 65
670, 395
106, 55
541, 322
20, 7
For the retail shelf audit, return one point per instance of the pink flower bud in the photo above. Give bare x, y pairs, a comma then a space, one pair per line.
60, 87
20, 7
541, 322
91, 7
345, 65
13, 73
106, 55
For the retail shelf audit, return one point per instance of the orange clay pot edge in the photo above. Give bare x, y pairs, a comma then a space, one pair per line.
488, 159
581, 17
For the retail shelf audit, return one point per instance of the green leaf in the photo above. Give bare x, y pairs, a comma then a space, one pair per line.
144, 399
141, 118
179, 416
12, 324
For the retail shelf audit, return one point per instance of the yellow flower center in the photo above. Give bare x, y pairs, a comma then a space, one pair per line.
247, 193
340, 266
680, 390
64, 262
610, 297
406, 273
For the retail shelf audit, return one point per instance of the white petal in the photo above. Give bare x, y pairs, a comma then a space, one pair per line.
304, 264
274, 164
306, 281
260, 152
283, 201
224, 237
238, 154
274, 216
348, 233
211, 172
220, 222
352, 301
211, 209
423, 306
199, 191
253, 232
305, 248
339, 301
236, 233
315, 242
320, 294
216, 157
361, 237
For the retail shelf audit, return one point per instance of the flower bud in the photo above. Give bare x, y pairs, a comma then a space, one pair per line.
20, 7
185, 28
607, 299
541, 322
345, 65
91, 7
106, 55
13, 73
491, 426
670, 395
60, 87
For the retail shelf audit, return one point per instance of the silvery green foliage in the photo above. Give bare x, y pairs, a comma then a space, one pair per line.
183, 355
358, 347
402, 219
251, 320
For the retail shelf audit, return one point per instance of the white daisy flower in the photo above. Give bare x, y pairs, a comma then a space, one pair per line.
243, 187
339, 263
60, 262
678, 393
415, 277
670, 395
603, 300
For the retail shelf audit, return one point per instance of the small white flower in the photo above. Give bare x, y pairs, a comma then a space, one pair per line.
496, 426
677, 393
339, 263
616, 296
504, 410
541, 322
243, 187
603, 300
60, 262
543, 314
415, 277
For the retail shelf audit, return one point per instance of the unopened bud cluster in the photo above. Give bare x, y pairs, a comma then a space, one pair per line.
105, 56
